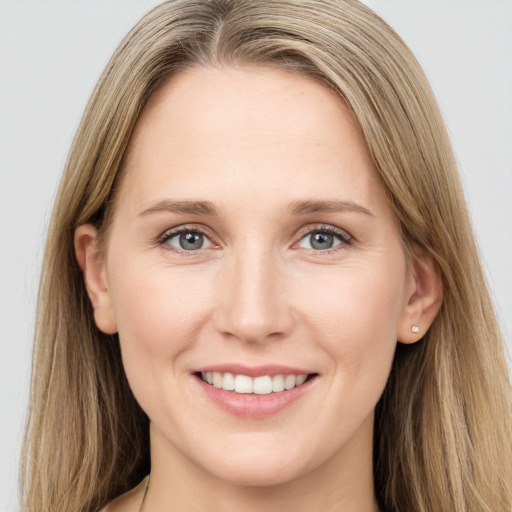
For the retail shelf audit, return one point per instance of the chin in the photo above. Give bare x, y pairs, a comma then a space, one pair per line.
257, 467
256, 474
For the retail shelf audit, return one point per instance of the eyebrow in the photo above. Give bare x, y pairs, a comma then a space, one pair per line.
193, 207
296, 207
314, 206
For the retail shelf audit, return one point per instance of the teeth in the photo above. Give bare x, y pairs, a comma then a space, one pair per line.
217, 379
277, 383
290, 381
243, 384
300, 379
228, 382
263, 385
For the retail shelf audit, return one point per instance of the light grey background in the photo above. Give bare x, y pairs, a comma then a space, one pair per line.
51, 54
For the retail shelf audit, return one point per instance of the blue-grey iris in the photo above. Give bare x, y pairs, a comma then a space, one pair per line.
191, 241
321, 241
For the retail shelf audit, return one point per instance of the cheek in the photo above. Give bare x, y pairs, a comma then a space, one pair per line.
356, 299
356, 323
159, 314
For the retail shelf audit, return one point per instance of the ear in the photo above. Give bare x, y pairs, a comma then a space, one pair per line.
424, 296
95, 276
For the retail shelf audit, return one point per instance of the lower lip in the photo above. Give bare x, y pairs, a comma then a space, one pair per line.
251, 405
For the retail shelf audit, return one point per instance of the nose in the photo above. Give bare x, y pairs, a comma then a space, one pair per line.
253, 303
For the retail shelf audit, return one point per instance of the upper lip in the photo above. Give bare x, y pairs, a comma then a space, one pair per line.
254, 371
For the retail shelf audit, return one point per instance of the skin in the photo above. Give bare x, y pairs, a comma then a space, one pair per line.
254, 142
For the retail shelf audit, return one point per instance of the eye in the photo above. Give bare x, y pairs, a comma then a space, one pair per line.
186, 240
323, 239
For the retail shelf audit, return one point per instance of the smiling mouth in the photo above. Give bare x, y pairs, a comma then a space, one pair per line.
262, 385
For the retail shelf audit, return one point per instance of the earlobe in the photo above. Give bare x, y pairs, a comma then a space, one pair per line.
93, 268
424, 296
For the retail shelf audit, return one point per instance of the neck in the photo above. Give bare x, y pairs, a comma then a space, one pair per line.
342, 483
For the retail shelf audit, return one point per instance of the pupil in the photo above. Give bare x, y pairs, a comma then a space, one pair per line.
190, 241
321, 241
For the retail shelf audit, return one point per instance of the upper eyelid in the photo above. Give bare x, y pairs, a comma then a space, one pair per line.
303, 232
162, 240
343, 233
171, 232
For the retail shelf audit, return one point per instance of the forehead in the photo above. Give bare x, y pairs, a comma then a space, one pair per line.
250, 129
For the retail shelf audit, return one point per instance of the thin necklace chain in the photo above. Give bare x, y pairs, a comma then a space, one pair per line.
145, 492
144, 495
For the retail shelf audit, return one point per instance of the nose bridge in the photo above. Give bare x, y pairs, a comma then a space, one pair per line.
253, 304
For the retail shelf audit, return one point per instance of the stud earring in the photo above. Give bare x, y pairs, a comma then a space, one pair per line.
415, 329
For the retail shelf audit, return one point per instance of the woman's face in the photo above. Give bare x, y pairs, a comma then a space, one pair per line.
251, 241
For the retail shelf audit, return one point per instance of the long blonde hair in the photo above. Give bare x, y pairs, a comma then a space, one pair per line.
443, 425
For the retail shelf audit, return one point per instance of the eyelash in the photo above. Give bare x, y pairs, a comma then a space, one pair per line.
342, 235
168, 235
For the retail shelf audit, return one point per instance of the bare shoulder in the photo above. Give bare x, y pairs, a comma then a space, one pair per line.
129, 501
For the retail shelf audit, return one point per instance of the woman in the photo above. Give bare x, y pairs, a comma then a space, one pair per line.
260, 201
